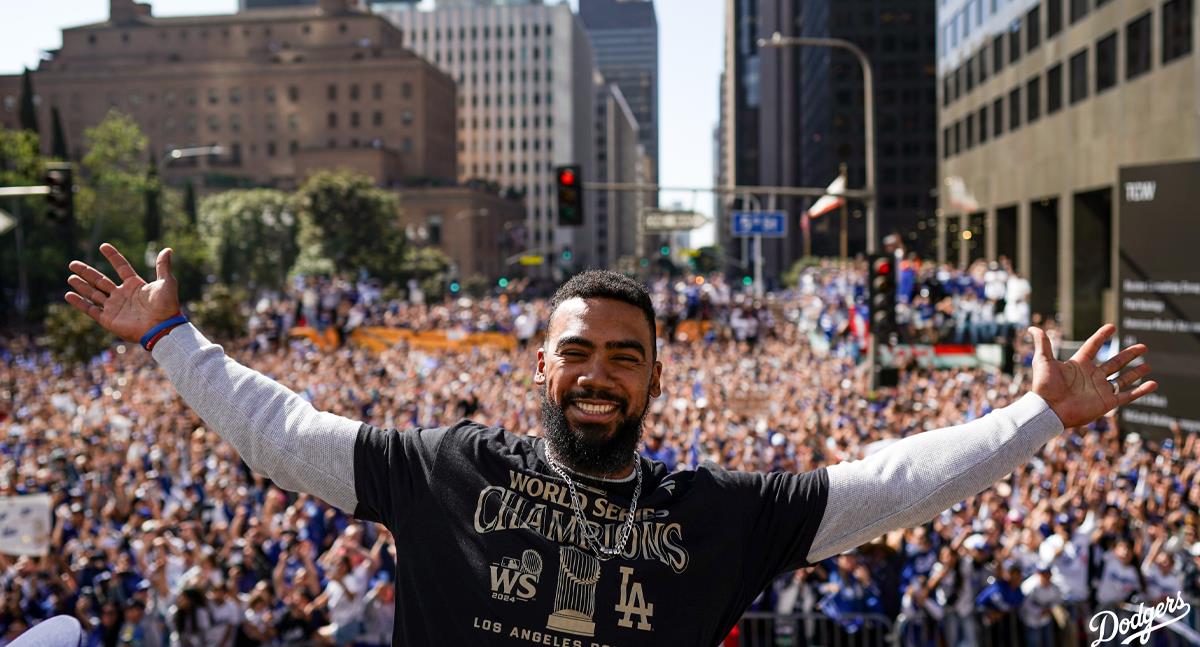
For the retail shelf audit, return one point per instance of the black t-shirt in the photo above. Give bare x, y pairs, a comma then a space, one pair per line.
490, 551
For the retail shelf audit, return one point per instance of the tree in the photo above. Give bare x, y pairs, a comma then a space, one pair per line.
114, 183
152, 220
58, 139
71, 336
349, 223
189, 203
220, 312
251, 237
429, 266
33, 254
28, 110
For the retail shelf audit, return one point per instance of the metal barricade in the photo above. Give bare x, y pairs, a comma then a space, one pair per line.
763, 629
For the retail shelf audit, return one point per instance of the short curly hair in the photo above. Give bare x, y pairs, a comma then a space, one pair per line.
607, 284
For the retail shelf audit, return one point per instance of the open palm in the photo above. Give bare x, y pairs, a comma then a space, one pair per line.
1078, 389
130, 309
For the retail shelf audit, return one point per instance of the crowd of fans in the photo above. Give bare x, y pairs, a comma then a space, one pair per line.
162, 537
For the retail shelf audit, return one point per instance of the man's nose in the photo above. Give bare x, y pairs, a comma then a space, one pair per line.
595, 374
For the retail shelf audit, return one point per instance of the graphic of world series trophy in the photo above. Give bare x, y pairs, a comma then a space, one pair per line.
575, 598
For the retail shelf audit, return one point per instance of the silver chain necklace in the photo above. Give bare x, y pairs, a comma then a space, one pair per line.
592, 536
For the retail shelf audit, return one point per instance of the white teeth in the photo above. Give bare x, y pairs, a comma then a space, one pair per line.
595, 408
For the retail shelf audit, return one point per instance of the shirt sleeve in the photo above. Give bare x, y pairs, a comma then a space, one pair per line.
391, 470
277, 433
916, 478
784, 511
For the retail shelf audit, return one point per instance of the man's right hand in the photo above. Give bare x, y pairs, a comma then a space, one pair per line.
132, 308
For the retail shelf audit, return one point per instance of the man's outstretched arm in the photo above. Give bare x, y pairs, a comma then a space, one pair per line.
916, 478
274, 430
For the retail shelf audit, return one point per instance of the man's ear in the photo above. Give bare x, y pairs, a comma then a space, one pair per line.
539, 374
656, 380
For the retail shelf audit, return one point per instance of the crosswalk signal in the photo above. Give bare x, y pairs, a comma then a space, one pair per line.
61, 198
570, 195
882, 294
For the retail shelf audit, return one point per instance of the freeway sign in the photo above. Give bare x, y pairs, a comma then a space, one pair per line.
672, 220
771, 224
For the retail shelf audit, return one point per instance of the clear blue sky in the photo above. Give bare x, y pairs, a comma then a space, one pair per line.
690, 52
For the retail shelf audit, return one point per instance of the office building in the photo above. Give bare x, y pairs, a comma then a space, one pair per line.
525, 102
624, 35
1042, 103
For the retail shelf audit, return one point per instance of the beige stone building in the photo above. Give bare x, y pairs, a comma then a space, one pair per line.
480, 231
281, 90
1042, 102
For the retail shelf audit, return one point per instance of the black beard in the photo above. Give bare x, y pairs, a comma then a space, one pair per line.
572, 445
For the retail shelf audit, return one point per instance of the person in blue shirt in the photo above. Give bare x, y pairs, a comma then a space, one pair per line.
999, 602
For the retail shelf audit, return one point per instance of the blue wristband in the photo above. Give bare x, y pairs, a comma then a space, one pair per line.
169, 323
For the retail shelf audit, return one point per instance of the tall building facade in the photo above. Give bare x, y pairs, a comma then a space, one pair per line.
794, 115
620, 157
624, 35
283, 92
1042, 102
525, 102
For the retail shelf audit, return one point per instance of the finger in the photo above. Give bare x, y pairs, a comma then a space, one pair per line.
1128, 378
122, 266
1087, 352
1126, 397
95, 277
1041, 343
162, 267
1121, 359
84, 288
83, 305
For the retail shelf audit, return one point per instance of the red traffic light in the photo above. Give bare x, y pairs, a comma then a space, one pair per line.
566, 177
883, 267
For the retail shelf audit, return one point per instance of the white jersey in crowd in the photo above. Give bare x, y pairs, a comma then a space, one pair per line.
225, 618
1040, 597
1117, 581
1159, 584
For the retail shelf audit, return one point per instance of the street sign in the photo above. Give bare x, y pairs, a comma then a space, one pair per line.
533, 260
770, 224
671, 220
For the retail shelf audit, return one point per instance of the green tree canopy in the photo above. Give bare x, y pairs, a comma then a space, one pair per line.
251, 235
351, 224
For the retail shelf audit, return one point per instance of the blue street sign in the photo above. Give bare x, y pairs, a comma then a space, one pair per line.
770, 224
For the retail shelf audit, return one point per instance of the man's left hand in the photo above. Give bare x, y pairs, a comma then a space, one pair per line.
1078, 389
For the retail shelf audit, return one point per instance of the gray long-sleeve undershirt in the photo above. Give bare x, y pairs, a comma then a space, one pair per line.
282, 436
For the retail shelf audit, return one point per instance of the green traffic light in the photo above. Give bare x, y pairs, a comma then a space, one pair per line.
566, 255
454, 287
503, 282
746, 280
664, 250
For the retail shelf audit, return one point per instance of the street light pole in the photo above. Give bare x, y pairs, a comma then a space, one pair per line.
779, 40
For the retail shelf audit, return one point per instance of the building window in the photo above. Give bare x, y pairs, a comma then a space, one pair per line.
1054, 89
970, 71
235, 123
1176, 29
406, 90
269, 94
981, 59
293, 122
1033, 28
235, 95
270, 149
970, 128
947, 98
1033, 100
331, 92
293, 147
354, 120
433, 229
1014, 41
377, 118
1079, 76
377, 91
406, 145
1079, 9
354, 92
1137, 46
998, 117
331, 120
1014, 109
214, 123
983, 124
1054, 17
998, 53
293, 93
1106, 62
958, 148
406, 117
214, 97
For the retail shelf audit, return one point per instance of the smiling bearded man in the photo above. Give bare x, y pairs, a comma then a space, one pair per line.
573, 539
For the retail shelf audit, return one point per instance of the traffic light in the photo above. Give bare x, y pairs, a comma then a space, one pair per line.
567, 255
665, 250
882, 295
747, 281
454, 287
503, 282
61, 198
570, 195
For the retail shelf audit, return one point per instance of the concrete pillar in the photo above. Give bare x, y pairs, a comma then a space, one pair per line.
1022, 262
991, 233
1066, 262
